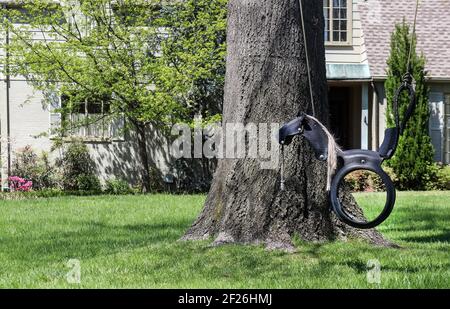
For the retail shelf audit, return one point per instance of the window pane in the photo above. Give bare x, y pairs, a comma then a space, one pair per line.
343, 14
336, 36
94, 108
343, 26
336, 3
78, 108
326, 3
326, 13
106, 107
336, 13
335, 25
344, 36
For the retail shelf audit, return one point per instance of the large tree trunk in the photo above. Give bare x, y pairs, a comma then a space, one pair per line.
266, 82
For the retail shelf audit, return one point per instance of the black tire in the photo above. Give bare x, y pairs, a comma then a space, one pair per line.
339, 210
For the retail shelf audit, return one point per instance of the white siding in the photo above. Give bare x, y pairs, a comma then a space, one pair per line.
28, 117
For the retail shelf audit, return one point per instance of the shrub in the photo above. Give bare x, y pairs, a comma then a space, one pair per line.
88, 183
48, 193
77, 168
356, 181
443, 177
24, 163
48, 173
414, 157
118, 187
37, 169
440, 178
366, 181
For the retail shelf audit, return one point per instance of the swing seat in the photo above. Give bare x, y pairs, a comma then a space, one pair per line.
362, 158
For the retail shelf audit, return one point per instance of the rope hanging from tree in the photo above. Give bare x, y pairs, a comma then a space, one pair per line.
326, 148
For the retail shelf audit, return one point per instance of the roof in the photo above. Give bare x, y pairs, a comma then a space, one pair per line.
433, 32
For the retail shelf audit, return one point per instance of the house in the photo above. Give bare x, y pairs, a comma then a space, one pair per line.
357, 39
357, 35
24, 119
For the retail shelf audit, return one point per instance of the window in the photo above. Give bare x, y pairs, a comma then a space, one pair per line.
338, 27
90, 120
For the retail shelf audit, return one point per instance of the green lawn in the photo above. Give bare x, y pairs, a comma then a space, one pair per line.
131, 241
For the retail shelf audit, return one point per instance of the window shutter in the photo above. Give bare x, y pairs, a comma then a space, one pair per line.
437, 123
446, 129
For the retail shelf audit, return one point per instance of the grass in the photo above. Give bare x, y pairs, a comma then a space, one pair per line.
131, 242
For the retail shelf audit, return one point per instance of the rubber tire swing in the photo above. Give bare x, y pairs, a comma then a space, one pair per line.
347, 218
353, 159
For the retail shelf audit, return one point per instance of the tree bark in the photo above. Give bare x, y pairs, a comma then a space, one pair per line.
266, 82
143, 155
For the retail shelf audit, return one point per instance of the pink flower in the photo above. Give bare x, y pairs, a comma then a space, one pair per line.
20, 184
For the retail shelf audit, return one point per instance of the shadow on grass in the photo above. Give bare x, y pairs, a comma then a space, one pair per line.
361, 268
441, 237
424, 220
90, 239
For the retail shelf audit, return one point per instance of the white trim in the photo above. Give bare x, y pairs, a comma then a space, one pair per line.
349, 41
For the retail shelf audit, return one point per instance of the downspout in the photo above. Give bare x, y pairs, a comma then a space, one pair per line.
8, 85
375, 102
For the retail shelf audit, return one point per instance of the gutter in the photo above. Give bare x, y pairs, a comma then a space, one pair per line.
356, 80
438, 79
